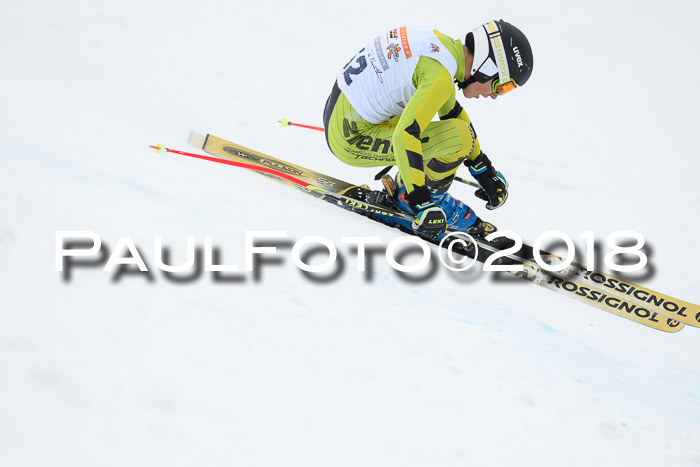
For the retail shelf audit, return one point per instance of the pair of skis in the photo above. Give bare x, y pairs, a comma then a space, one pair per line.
605, 291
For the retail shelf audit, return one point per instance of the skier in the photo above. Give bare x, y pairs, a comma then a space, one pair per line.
380, 110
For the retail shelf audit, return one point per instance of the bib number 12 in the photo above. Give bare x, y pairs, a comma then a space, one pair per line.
361, 61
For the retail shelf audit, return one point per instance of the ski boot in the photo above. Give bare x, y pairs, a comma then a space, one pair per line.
459, 216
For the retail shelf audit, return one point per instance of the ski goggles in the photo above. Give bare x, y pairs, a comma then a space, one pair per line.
503, 88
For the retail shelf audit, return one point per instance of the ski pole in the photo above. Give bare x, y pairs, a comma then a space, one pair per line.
348, 203
468, 182
285, 122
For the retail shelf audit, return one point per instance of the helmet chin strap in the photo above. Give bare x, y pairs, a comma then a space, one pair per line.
463, 84
473, 79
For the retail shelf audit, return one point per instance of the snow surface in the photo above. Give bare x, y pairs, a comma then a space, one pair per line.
364, 369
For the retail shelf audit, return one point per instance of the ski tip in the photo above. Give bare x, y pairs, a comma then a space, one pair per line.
284, 122
196, 139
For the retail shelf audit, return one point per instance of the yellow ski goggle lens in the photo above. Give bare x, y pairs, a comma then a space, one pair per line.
503, 88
